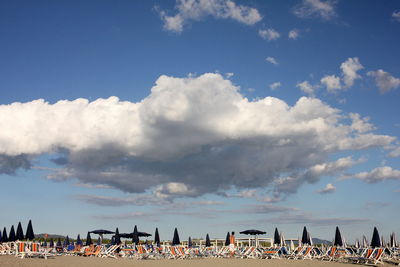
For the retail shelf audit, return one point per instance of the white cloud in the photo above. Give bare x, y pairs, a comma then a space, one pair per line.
196, 10
275, 85
376, 175
269, 34
331, 82
189, 137
306, 87
395, 152
349, 71
272, 60
396, 15
359, 124
329, 188
384, 80
294, 34
316, 8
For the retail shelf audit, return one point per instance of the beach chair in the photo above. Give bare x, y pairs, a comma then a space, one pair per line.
305, 254
270, 253
365, 255
21, 249
110, 252
329, 255
295, 253
376, 257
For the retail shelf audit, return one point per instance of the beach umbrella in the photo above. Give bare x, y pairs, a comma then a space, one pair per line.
88, 240
51, 243
364, 242
190, 244
11, 235
135, 237
20, 233
78, 240
157, 238
253, 232
59, 243
283, 242
310, 241
101, 232
1, 238
382, 241
277, 237
305, 237
144, 234
29, 231
357, 244
291, 245
208, 241
116, 237
338, 238
375, 241
67, 242
4, 238
299, 242
393, 242
175, 239
112, 240
99, 241
227, 239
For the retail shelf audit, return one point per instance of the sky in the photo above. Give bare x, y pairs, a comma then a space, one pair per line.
206, 115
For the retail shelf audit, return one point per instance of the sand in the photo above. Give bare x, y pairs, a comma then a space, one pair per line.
71, 261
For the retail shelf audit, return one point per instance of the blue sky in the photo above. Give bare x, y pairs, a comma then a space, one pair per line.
209, 116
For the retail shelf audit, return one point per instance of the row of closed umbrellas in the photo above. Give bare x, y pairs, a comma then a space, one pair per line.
19, 234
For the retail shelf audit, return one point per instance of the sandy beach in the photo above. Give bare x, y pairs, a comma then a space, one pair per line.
11, 261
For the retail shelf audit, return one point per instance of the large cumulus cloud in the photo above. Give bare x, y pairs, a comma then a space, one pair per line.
189, 136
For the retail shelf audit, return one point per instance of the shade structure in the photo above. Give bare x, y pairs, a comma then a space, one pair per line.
190, 243
208, 241
67, 242
305, 237
99, 241
228, 239
78, 240
11, 236
253, 232
4, 237
157, 238
117, 238
338, 238
20, 233
51, 243
375, 241
29, 231
88, 240
101, 232
277, 237
135, 236
175, 239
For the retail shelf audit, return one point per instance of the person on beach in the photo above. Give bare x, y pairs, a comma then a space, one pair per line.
232, 244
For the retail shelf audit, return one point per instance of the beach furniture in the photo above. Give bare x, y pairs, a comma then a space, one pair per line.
110, 252
21, 249
271, 253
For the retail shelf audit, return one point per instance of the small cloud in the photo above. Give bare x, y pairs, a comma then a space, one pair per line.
349, 70
294, 34
275, 85
376, 175
332, 83
306, 88
395, 152
229, 75
269, 34
329, 188
396, 15
384, 80
272, 60
316, 8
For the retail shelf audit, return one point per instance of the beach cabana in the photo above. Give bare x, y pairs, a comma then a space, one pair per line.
20, 233
175, 239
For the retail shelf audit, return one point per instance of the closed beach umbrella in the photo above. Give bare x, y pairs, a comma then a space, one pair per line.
78, 240
157, 238
20, 233
67, 241
59, 243
11, 236
117, 237
51, 243
304, 237
4, 238
364, 242
277, 238
88, 240
228, 239
135, 238
393, 242
29, 231
357, 244
338, 238
99, 241
375, 241
208, 242
175, 239
283, 242
1, 238
190, 244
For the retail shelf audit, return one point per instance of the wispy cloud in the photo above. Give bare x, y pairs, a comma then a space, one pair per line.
329, 188
269, 34
325, 10
275, 85
385, 81
396, 15
272, 60
376, 175
294, 34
